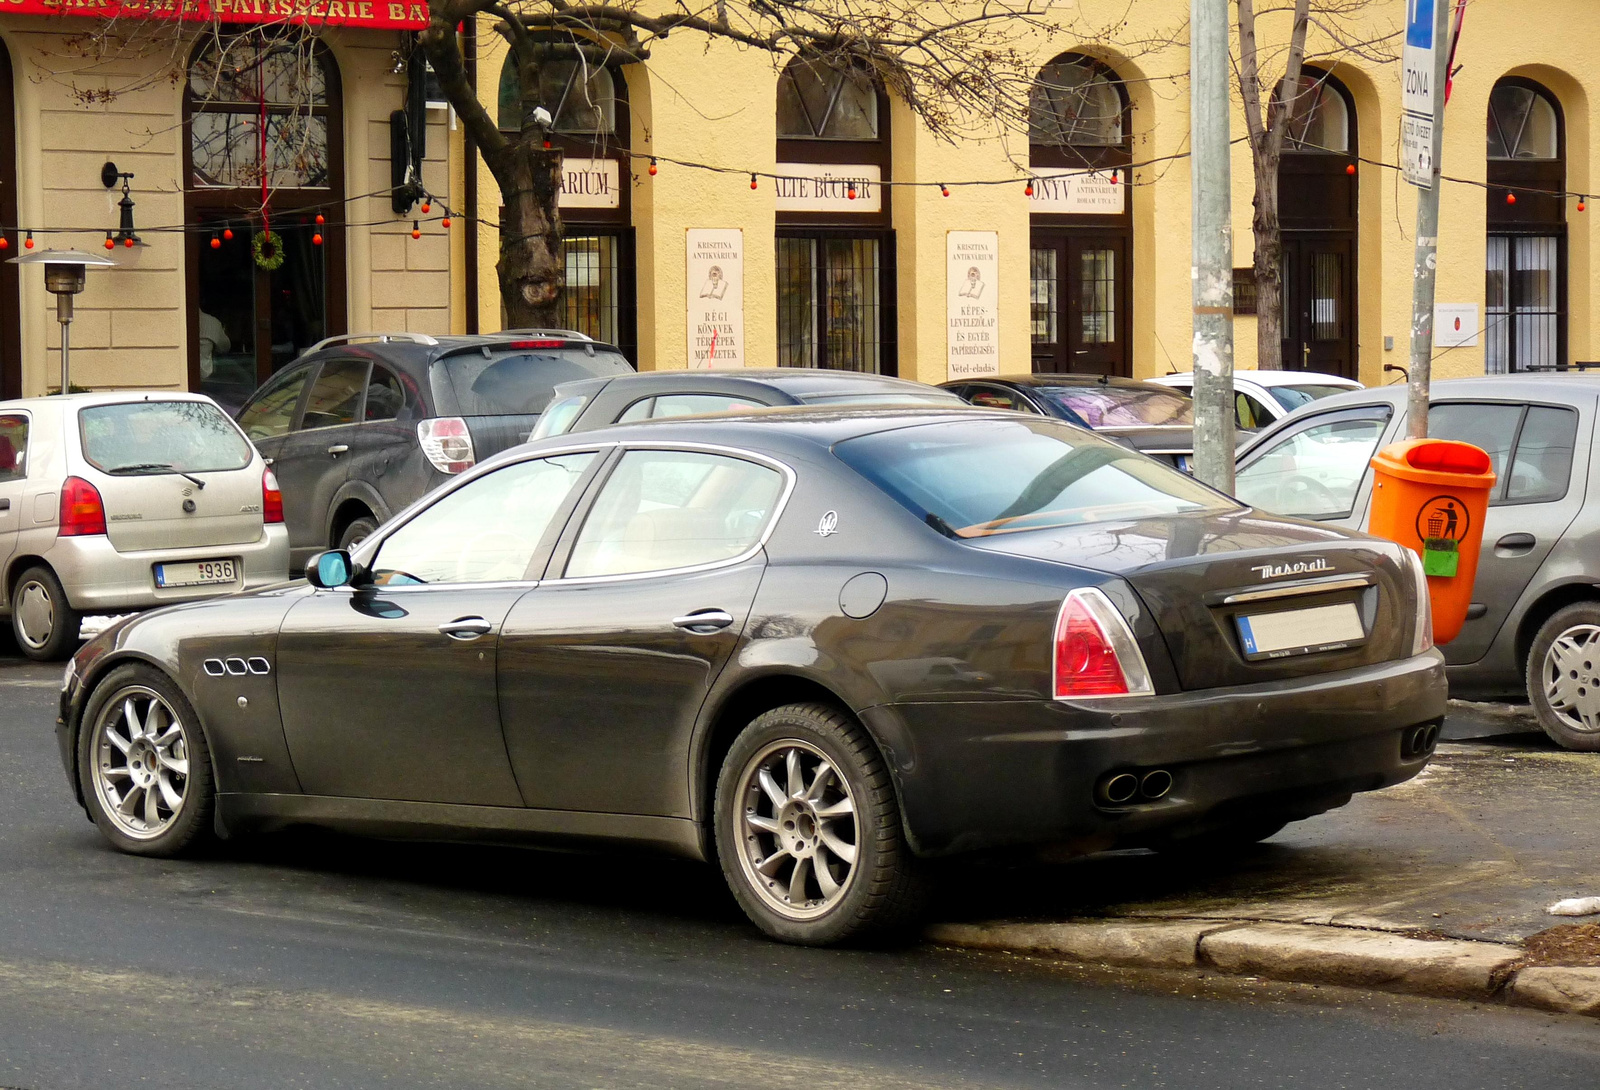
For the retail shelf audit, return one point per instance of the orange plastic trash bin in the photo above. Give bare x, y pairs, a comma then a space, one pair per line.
1430, 495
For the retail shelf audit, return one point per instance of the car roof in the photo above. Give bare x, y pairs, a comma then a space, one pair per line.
419, 348
1279, 378
101, 397
1519, 387
1114, 381
797, 382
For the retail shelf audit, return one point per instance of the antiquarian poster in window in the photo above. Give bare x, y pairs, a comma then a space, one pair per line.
716, 297
972, 296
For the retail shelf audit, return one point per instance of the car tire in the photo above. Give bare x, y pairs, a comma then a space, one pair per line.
1563, 676
43, 621
358, 531
804, 805
144, 766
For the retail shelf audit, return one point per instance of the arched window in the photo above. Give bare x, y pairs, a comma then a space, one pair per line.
1076, 103
1525, 312
1319, 117
258, 301
820, 103
580, 95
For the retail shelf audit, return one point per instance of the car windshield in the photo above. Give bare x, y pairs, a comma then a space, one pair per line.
879, 397
161, 437
978, 478
1121, 406
1292, 397
520, 383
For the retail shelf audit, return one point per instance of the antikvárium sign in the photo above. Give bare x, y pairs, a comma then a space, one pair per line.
1076, 193
590, 183
972, 303
716, 297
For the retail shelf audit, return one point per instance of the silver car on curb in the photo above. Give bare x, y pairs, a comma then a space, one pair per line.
116, 502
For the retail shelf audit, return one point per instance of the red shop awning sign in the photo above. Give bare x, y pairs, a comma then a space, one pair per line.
376, 14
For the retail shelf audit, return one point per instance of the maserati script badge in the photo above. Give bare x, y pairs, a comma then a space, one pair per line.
1299, 567
829, 524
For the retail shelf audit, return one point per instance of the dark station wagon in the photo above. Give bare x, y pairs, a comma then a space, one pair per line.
815, 646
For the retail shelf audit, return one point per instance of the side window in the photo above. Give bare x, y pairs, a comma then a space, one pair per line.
665, 509
997, 397
1542, 464
13, 447
271, 413
336, 395
1314, 472
483, 532
693, 404
639, 410
386, 395
1249, 412
1490, 426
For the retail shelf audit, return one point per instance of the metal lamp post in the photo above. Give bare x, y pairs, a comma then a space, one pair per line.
64, 274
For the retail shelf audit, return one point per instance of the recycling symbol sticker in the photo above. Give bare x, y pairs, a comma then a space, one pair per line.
1441, 524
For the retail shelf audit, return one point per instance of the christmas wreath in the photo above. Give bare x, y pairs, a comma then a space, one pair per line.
267, 248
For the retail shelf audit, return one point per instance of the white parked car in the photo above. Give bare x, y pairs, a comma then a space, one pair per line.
1262, 397
116, 502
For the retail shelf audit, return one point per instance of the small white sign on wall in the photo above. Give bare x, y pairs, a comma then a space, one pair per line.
1455, 325
972, 304
1077, 192
715, 297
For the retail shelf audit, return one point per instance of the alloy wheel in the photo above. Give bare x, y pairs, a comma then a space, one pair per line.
140, 754
36, 614
1571, 680
798, 829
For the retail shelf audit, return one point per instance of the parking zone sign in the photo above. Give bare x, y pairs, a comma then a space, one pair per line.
1416, 94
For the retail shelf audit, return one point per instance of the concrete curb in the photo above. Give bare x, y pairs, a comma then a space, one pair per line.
1307, 953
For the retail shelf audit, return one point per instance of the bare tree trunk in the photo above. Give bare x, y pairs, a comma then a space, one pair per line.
532, 271
1268, 267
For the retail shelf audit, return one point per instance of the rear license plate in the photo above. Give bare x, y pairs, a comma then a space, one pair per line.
1300, 631
200, 573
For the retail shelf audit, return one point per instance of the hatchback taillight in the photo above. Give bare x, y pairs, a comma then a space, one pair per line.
82, 512
447, 443
1095, 652
271, 498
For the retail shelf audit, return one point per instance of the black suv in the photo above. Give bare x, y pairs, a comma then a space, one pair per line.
362, 425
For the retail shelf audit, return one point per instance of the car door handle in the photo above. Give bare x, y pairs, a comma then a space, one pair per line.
1516, 541
5, 505
338, 449
704, 621
466, 628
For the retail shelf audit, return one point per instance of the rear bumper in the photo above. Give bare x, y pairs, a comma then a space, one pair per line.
98, 579
990, 774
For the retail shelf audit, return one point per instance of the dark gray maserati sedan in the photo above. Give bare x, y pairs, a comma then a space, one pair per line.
818, 646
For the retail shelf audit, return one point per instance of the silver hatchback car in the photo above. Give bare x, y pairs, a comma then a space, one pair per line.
116, 502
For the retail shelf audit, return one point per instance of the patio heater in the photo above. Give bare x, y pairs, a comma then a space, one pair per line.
63, 277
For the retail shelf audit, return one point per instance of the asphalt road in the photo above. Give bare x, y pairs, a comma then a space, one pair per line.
318, 961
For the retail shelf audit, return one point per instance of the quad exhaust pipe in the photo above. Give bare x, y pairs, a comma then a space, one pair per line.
1122, 788
1419, 741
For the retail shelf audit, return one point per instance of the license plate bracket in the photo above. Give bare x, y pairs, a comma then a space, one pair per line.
1288, 632
197, 573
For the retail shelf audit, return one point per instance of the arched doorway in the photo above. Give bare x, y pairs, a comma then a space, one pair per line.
1318, 205
10, 300
835, 252
254, 305
1525, 319
588, 102
1080, 264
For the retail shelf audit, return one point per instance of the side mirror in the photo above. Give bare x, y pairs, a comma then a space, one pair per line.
330, 569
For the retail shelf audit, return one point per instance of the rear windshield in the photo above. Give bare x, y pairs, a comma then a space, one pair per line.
979, 478
161, 437
880, 397
1120, 407
1292, 397
520, 383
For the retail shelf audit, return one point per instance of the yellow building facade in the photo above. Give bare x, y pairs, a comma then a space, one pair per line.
1091, 271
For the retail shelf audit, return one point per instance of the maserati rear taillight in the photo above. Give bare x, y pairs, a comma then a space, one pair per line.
271, 498
1095, 652
82, 512
447, 443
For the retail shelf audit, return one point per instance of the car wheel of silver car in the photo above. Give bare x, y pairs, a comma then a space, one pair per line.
808, 830
44, 622
143, 763
1564, 676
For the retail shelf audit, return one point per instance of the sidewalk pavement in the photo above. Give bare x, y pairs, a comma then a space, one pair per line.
1435, 886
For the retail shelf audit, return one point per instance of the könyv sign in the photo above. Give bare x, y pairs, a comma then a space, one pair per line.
1076, 192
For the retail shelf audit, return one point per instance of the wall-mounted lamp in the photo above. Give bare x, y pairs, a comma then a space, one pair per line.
125, 234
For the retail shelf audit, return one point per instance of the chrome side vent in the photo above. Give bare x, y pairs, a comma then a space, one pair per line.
214, 667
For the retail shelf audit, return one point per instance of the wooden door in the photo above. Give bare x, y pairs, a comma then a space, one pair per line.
1319, 304
1079, 301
